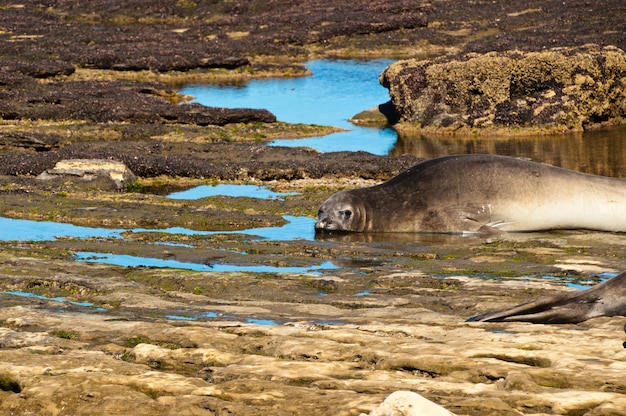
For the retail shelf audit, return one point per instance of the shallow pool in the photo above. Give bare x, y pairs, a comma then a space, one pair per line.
337, 90
296, 228
136, 261
234, 190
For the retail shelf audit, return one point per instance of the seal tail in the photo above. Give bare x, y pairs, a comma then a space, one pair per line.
556, 309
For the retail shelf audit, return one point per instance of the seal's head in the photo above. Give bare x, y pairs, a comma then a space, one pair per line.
343, 212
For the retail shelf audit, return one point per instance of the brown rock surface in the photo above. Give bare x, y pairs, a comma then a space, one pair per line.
564, 89
305, 368
104, 174
174, 342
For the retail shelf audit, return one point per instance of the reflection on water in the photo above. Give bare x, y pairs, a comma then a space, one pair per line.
29, 230
337, 90
364, 293
597, 152
372, 140
266, 322
426, 239
297, 228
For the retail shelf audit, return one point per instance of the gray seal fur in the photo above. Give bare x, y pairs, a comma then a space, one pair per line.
479, 194
605, 299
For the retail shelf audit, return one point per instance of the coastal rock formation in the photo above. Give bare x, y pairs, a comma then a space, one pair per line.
112, 101
108, 174
562, 89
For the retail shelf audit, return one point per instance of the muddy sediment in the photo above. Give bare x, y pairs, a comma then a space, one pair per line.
98, 81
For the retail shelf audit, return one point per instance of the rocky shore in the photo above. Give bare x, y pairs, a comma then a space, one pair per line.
553, 91
97, 81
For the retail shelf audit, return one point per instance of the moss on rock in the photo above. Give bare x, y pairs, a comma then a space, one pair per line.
562, 89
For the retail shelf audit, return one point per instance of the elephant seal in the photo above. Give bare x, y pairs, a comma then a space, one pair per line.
479, 194
606, 299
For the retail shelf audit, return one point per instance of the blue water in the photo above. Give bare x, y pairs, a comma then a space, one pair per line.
566, 281
297, 228
180, 318
576, 284
29, 230
250, 191
205, 315
256, 321
57, 299
337, 90
135, 261
261, 321
213, 315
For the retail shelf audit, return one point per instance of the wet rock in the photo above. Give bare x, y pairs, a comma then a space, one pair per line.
105, 174
555, 90
100, 41
408, 403
31, 140
381, 115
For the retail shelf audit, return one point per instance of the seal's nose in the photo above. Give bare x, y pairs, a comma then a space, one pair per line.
325, 223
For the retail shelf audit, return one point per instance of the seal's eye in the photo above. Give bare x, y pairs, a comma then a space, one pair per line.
320, 212
346, 214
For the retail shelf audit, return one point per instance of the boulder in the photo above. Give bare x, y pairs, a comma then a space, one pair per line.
379, 116
556, 90
408, 403
100, 173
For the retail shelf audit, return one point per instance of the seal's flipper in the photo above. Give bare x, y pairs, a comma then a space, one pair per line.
556, 309
606, 299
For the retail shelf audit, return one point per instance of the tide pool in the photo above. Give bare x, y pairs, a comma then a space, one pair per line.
135, 261
337, 90
30, 230
250, 191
